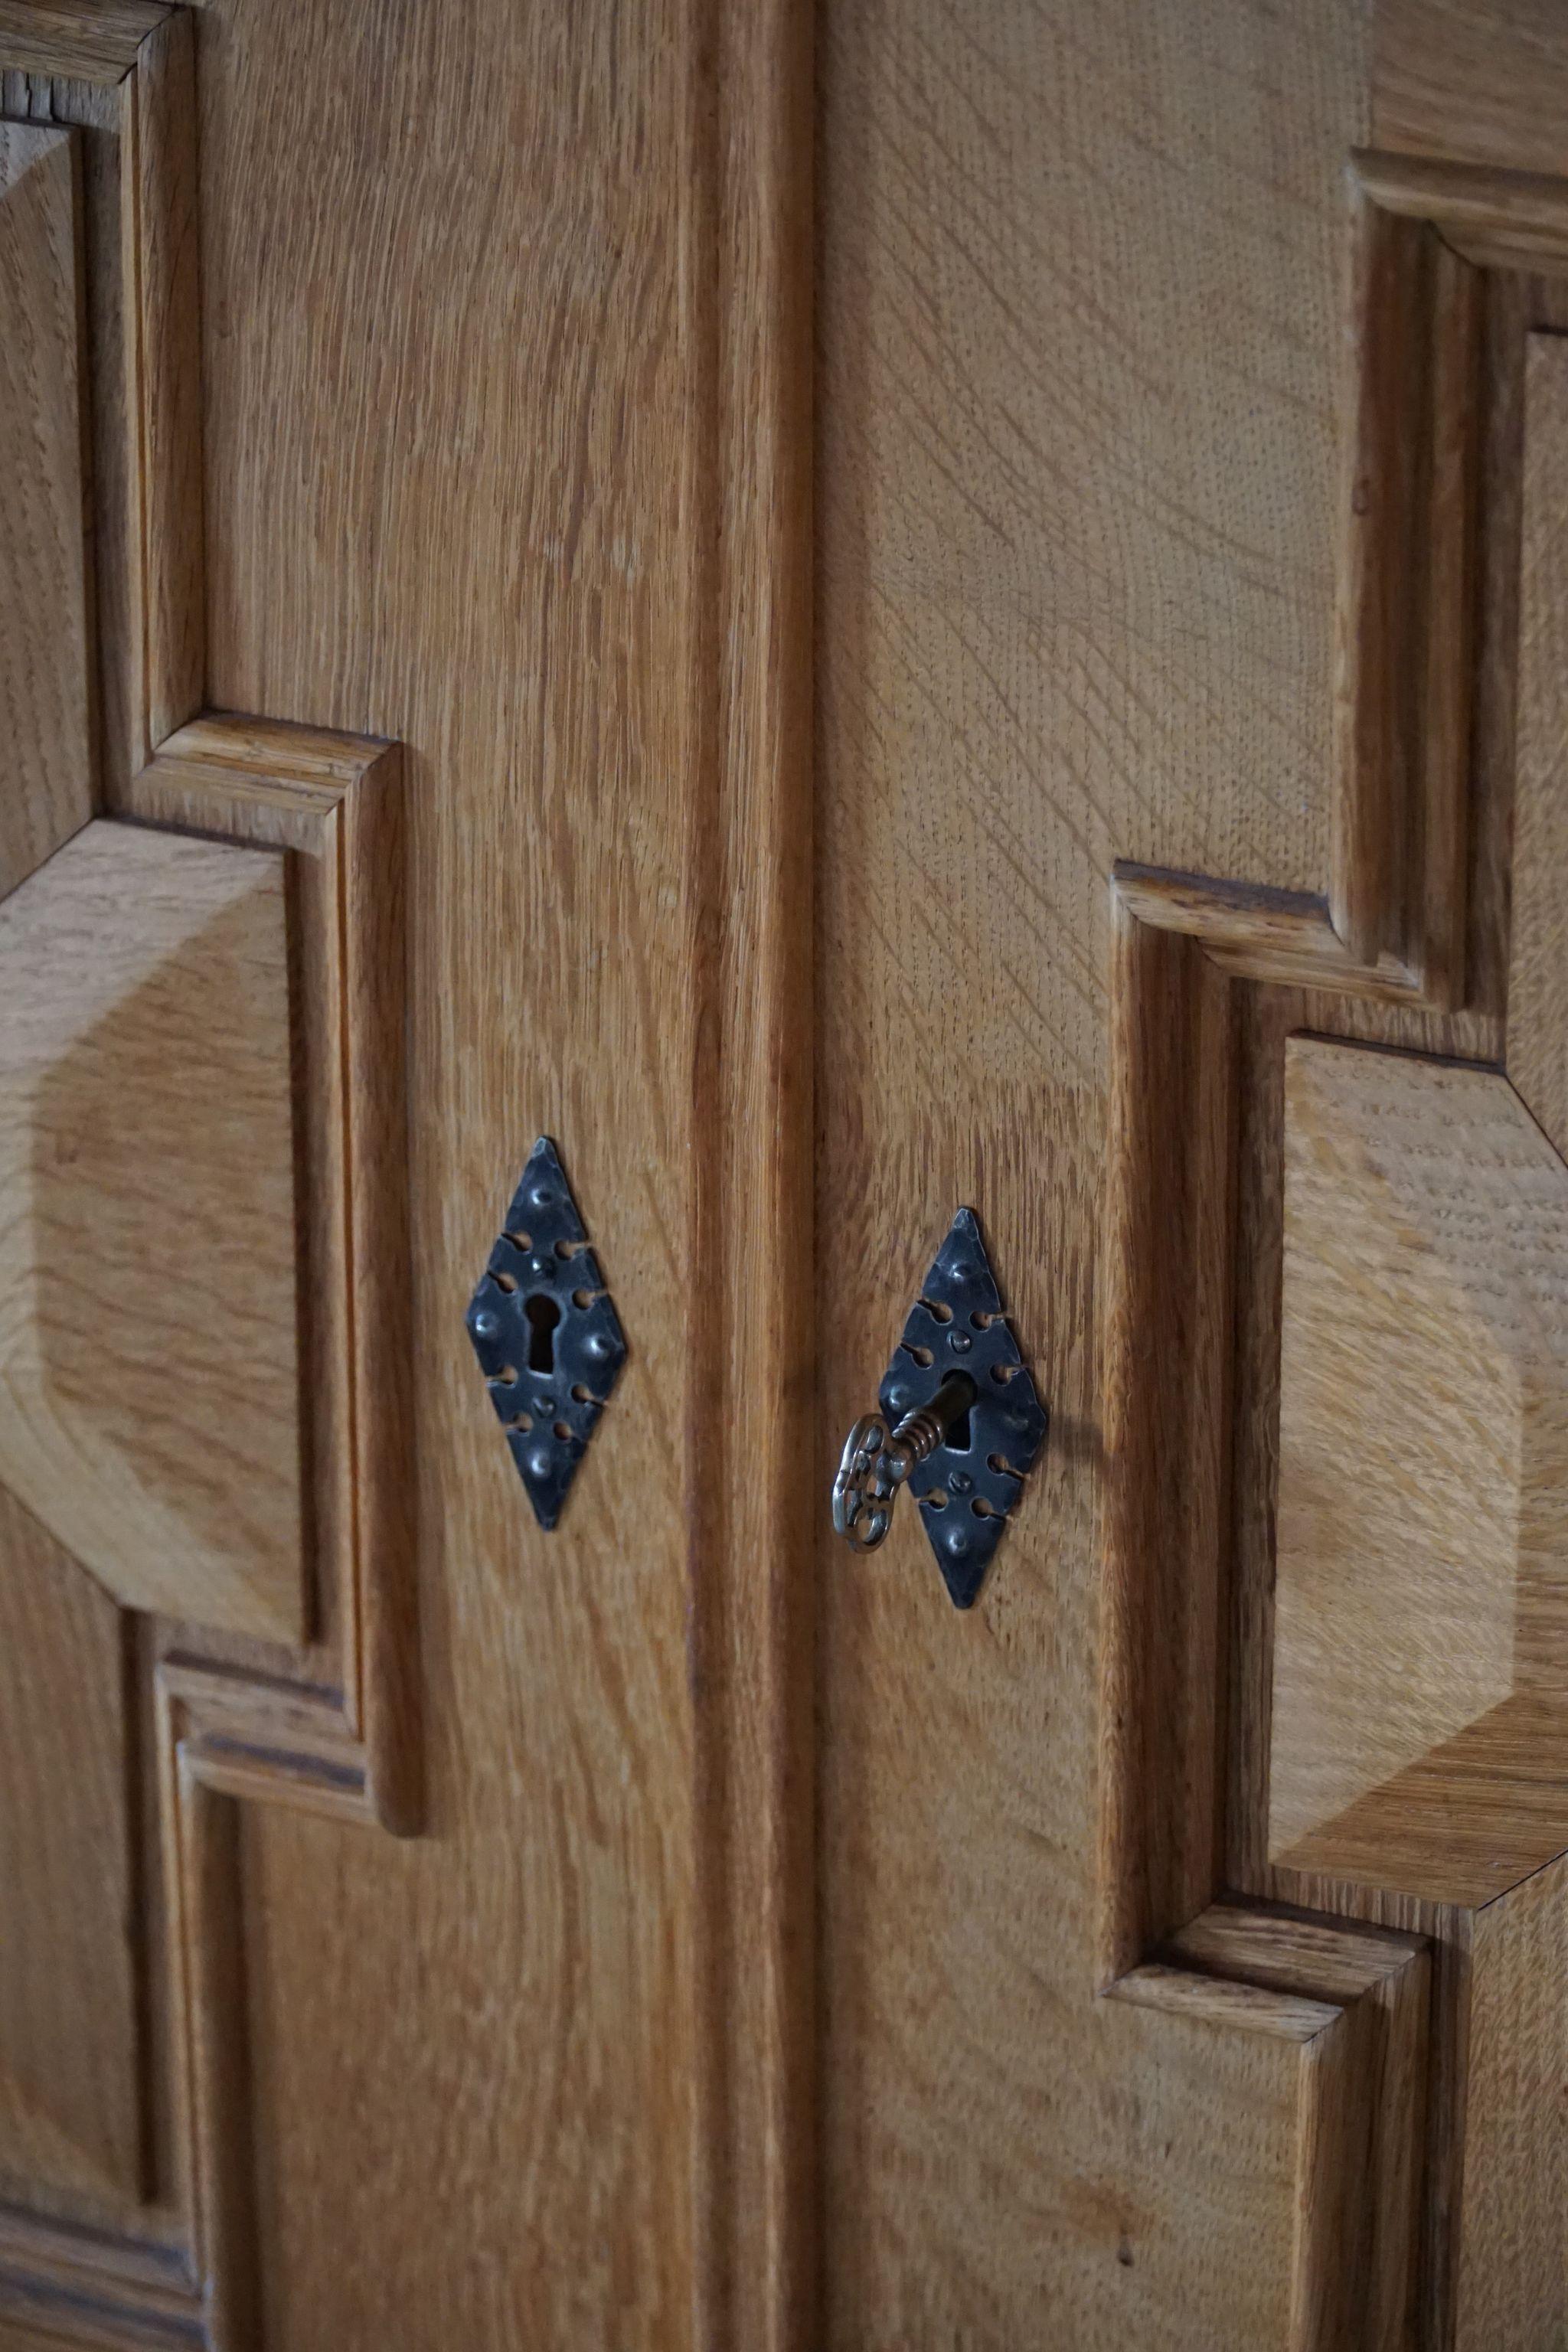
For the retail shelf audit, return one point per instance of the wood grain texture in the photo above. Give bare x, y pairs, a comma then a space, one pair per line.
45, 644
333, 803
1328, 1960
81, 40
1372, 701
1283, 2089
1254, 932
501, 580
1537, 1028
1499, 219
150, 1397
1061, 620
1513, 2262
746, 230
332, 1726
163, 265
1419, 1613
137, 136
1480, 81
70, 2051
1166, 1305
1406, 592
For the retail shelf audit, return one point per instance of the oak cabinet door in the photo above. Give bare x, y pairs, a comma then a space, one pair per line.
642, 652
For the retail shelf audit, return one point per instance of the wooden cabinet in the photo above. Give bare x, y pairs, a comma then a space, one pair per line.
851, 614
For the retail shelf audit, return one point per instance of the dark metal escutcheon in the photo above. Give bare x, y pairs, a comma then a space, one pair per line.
980, 1467
547, 1337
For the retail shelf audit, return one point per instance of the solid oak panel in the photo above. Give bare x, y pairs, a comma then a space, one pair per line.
1079, 315
70, 2116
45, 650
1277, 2108
1421, 1607
461, 527
135, 128
1483, 81
1538, 994
149, 1374
88, 41
1513, 2261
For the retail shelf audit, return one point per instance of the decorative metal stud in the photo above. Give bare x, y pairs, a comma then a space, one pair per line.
548, 1339
967, 1485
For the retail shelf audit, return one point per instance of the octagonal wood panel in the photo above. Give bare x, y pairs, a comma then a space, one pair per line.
149, 1381
1420, 1727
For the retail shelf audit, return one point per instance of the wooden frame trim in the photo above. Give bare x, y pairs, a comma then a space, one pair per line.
334, 803
339, 1733
333, 1728
144, 300
1358, 2002
77, 40
745, 314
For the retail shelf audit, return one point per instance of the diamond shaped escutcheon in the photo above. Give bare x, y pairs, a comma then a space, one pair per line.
546, 1333
968, 1486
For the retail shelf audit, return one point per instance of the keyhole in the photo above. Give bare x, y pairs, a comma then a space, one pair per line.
959, 1435
543, 1316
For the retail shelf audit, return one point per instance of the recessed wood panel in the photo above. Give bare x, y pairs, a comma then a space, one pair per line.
46, 681
1421, 1623
149, 1385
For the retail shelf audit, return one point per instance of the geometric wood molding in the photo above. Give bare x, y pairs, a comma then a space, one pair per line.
343, 1738
1276, 2054
45, 637
1420, 1716
294, 1679
121, 79
1207, 977
331, 1724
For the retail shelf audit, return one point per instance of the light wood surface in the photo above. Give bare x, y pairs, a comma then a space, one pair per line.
744, 1986
500, 580
1537, 1027
70, 2094
334, 805
83, 40
1391, 1975
1333, 2261
330, 1727
1420, 1612
1513, 2265
1075, 604
136, 133
1500, 220
746, 308
148, 1386
45, 649
1482, 81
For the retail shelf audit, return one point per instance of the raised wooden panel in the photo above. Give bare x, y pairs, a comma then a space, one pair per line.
1513, 2261
1275, 2118
326, 1721
149, 1376
70, 1921
46, 647
1421, 1614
